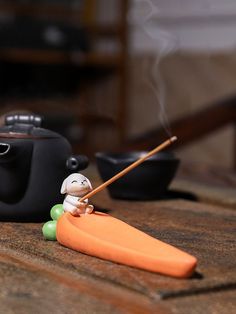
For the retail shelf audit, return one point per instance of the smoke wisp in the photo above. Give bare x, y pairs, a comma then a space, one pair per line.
146, 17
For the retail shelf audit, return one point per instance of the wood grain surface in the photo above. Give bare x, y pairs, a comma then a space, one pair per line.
42, 276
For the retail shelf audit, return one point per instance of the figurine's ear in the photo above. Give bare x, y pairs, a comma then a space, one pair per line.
89, 184
63, 187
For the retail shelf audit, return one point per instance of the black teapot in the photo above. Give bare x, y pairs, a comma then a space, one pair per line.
33, 164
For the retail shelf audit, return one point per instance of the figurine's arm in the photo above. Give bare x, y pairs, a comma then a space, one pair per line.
75, 207
74, 200
84, 207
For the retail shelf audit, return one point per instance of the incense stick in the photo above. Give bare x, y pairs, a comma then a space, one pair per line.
129, 168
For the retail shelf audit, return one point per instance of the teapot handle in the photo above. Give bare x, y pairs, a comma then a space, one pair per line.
30, 119
77, 162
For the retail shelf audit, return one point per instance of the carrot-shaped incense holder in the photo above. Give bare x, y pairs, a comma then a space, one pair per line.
103, 236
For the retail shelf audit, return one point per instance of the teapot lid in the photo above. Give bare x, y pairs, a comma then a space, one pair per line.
25, 126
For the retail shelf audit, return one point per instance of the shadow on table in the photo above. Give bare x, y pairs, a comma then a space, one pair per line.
176, 194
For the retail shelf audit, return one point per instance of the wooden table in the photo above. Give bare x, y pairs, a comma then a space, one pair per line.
39, 276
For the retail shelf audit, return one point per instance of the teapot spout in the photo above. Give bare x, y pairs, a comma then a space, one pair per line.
4, 149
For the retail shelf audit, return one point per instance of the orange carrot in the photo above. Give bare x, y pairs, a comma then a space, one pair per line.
106, 237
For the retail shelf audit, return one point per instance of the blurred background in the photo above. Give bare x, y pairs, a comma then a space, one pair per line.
122, 75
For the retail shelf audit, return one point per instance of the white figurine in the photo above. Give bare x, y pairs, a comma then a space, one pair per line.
76, 186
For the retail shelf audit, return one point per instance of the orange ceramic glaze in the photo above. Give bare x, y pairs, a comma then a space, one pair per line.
106, 237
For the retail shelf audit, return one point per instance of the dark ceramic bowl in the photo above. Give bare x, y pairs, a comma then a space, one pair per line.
149, 181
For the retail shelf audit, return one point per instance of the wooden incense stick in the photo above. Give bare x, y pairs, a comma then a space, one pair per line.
129, 168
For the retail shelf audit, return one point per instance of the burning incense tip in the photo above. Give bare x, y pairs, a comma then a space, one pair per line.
173, 139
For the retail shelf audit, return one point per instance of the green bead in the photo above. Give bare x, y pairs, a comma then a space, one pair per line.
49, 230
56, 211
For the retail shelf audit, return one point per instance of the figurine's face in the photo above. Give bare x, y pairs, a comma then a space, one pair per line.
76, 184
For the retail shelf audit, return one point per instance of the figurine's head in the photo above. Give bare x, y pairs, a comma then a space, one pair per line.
76, 184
